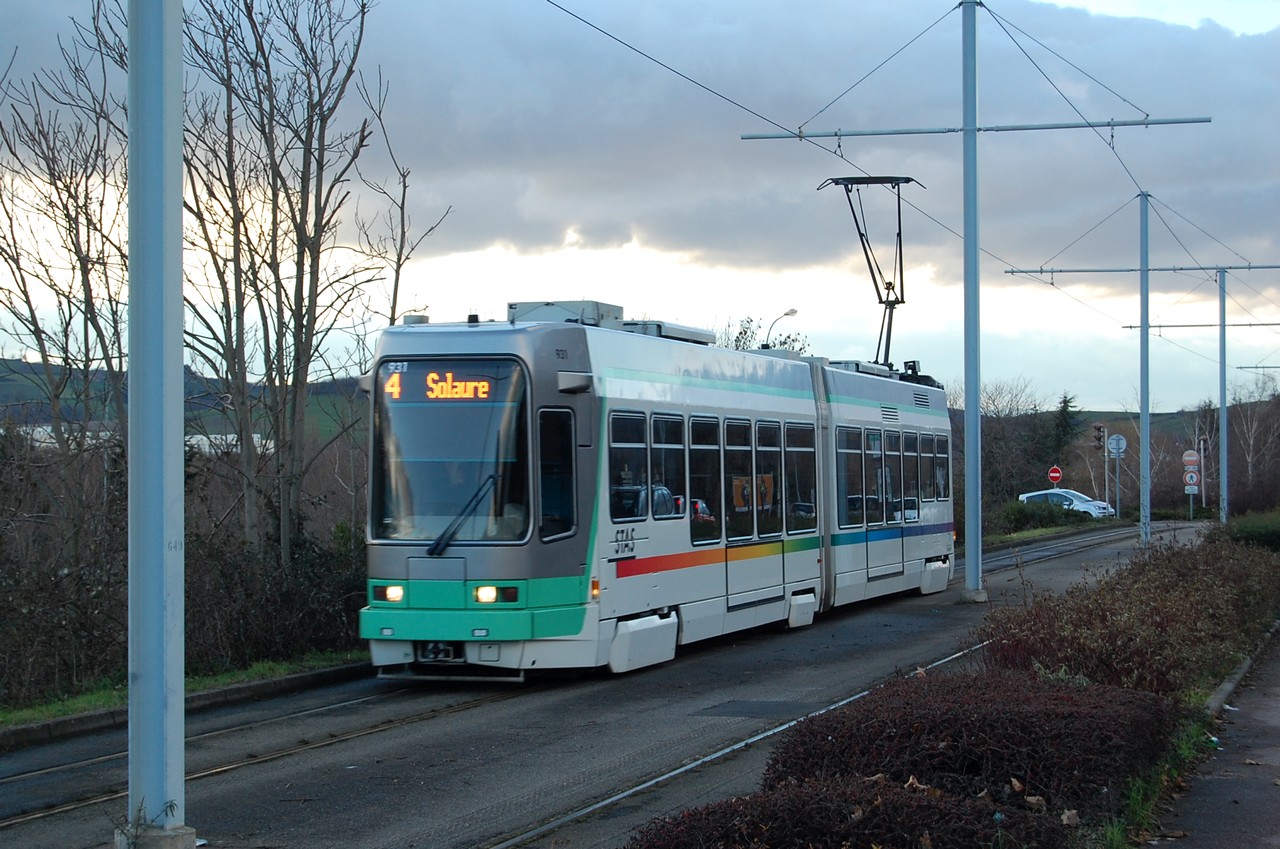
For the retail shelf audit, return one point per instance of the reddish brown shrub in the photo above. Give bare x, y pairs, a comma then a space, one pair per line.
857, 812
1005, 736
1176, 620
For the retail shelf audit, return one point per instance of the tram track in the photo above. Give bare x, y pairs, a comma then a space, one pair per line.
552, 832
249, 759
874, 629
550, 827
98, 760
1011, 559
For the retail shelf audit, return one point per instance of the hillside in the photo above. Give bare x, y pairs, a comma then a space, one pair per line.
23, 397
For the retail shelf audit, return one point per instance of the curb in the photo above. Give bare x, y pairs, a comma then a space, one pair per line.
1219, 698
20, 736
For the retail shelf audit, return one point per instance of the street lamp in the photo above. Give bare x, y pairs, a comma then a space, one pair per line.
789, 312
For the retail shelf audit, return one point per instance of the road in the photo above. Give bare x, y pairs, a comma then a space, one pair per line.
445, 766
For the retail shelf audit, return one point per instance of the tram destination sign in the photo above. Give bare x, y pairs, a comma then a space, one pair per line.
415, 381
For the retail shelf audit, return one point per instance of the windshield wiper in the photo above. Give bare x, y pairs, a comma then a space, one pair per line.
442, 542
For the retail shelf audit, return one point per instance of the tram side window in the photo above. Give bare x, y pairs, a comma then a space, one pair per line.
628, 460
928, 484
666, 484
875, 489
893, 475
704, 480
737, 480
768, 482
910, 477
942, 466
802, 479
555, 471
849, 476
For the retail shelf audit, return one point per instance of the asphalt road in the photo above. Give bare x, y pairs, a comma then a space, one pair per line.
453, 773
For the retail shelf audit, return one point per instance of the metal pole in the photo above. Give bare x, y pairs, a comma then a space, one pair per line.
1144, 275
789, 312
1222, 396
1202, 446
156, 692
1106, 474
972, 332
1117, 485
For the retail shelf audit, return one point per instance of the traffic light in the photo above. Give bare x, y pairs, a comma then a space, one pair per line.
1099, 435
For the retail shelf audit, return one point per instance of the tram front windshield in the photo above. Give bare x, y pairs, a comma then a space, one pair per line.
450, 451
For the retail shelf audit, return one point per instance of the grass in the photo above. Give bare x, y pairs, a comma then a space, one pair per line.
115, 695
1193, 743
995, 540
1033, 534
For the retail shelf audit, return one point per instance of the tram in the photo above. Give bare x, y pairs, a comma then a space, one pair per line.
571, 489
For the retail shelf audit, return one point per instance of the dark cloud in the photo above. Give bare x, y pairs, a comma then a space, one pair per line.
530, 123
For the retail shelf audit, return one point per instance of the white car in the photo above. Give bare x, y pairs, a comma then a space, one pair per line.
1069, 499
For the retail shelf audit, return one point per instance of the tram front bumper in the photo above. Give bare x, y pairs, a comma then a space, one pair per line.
416, 625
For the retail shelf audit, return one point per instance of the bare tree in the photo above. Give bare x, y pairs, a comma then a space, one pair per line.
746, 337
1012, 438
62, 185
273, 300
391, 240
63, 306
269, 157
1254, 419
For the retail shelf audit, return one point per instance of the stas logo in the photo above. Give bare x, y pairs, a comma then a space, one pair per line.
448, 388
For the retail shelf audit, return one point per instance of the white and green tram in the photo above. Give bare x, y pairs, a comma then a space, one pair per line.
572, 489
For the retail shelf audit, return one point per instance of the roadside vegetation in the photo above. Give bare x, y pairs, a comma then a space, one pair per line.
64, 577
285, 283
1079, 715
114, 695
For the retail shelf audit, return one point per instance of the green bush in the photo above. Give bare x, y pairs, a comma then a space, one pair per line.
1018, 516
1261, 529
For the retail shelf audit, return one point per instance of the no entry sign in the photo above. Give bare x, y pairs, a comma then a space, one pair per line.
1055, 474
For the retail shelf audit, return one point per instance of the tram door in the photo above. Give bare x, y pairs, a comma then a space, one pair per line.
706, 479
753, 510
885, 513
849, 549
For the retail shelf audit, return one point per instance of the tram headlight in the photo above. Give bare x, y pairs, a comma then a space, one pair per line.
393, 593
492, 595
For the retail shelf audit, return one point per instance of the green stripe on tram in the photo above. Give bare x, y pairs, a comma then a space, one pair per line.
804, 391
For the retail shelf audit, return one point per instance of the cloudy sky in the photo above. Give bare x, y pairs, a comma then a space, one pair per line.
578, 168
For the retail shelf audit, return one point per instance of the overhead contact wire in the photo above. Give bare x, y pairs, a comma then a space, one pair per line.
708, 89
1124, 165
886, 61
838, 152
